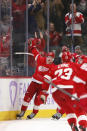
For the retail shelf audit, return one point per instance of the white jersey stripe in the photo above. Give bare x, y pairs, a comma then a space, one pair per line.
25, 103
78, 80
36, 107
83, 96
34, 80
71, 115
82, 117
62, 86
36, 57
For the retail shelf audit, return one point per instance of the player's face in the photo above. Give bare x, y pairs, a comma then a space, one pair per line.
50, 60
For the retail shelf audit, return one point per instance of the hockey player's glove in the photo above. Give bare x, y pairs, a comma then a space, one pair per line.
31, 43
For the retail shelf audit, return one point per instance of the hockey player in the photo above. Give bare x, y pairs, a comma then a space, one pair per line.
35, 88
66, 57
81, 86
78, 54
64, 49
63, 77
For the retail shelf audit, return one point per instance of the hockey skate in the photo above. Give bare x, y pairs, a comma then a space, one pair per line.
57, 116
74, 128
20, 115
82, 128
32, 115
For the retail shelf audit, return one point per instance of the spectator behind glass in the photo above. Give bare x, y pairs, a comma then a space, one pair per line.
32, 23
18, 34
40, 17
5, 7
5, 24
4, 52
82, 7
55, 39
77, 32
56, 13
18, 9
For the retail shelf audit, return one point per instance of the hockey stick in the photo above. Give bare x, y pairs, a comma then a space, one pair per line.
23, 53
62, 90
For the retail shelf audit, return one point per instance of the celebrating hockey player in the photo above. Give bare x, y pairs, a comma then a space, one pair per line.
35, 88
63, 76
65, 57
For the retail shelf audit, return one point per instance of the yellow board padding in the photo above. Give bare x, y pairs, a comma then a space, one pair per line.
11, 115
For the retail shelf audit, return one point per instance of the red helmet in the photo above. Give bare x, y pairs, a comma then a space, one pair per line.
66, 57
51, 54
64, 48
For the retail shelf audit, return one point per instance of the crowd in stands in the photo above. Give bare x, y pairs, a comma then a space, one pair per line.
26, 19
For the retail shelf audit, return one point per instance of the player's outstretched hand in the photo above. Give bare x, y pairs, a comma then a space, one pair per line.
31, 43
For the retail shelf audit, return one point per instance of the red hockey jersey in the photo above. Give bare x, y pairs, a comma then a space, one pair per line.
78, 20
41, 67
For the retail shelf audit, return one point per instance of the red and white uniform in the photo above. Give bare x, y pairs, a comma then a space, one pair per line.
35, 86
80, 81
75, 56
41, 69
66, 57
78, 57
78, 20
63, 76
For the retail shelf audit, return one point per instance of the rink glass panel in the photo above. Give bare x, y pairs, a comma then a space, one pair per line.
15, 30
5, 38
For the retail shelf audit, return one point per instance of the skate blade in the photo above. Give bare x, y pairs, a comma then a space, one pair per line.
54, 119
18, 118
28, 118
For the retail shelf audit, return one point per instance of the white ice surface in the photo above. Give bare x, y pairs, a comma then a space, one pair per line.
35, 125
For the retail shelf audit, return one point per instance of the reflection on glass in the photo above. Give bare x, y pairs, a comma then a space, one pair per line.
4, 38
